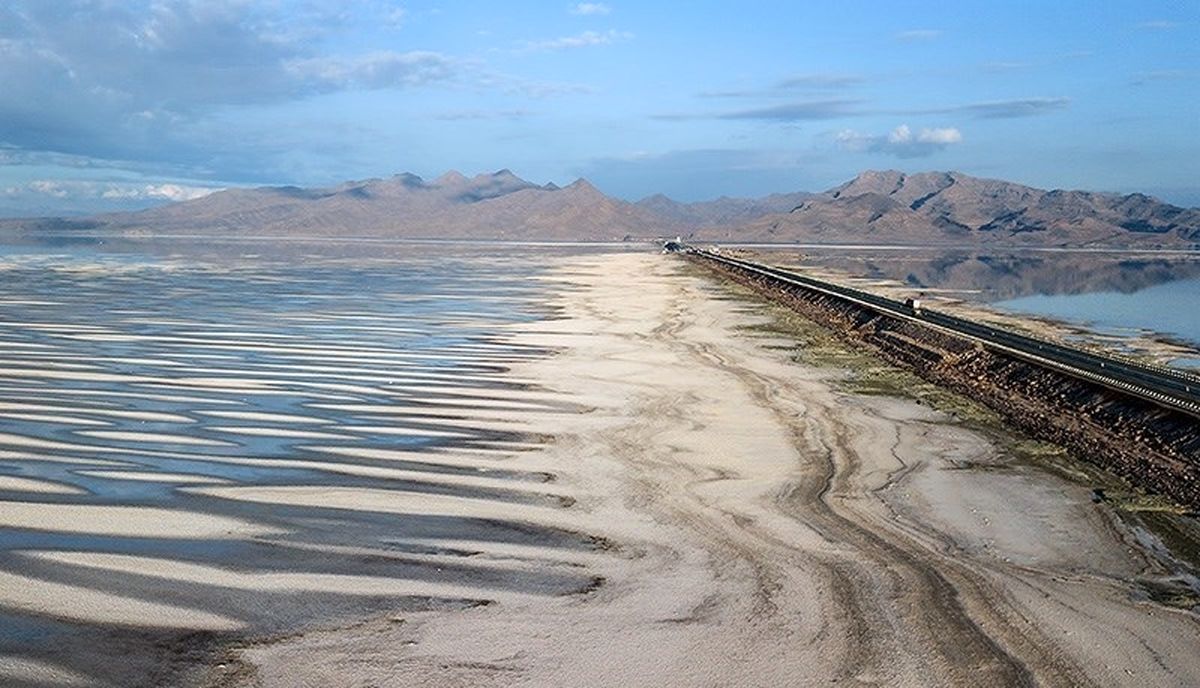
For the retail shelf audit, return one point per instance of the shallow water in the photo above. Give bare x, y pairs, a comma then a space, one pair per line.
148, 402
1112, 293
1172, 309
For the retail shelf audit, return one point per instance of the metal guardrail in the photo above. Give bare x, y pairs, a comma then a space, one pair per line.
1168, 387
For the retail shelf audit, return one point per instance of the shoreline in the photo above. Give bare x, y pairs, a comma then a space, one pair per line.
658, 485
859, 373
738, 553
1156, 347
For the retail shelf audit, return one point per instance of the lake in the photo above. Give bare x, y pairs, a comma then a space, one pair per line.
1171, 308
1112, 293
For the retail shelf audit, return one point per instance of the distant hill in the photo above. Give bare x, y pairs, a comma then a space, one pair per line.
722, 211
954, 208
488, 206
931, 208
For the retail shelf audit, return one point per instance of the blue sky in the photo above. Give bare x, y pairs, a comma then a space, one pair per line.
117, 104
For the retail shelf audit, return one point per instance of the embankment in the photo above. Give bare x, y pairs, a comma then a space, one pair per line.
1154, 448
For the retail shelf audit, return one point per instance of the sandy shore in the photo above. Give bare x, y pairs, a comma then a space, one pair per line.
669, 500
764, 529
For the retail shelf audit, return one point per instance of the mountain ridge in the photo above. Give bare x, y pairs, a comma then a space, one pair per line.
877, 206
952, 207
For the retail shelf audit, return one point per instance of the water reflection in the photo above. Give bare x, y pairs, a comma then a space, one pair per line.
232, 444
993, 276
1171, 309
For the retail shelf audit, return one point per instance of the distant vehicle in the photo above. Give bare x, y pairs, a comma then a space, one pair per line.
674, 245
913, 305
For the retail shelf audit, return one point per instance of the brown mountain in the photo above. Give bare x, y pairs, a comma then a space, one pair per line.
954, 208
724, 210
932, 208
488, 206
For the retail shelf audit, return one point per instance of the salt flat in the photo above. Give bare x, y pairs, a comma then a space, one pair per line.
648, 493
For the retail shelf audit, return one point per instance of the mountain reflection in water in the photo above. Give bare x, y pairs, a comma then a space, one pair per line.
1109, 293
990, 276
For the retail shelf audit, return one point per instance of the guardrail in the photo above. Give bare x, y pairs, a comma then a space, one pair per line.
1168, 387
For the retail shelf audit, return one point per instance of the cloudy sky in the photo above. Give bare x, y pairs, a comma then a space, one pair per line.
124, 103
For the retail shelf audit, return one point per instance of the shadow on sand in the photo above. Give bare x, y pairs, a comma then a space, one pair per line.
193, 456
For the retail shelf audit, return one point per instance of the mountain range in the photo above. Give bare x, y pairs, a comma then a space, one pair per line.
888, 207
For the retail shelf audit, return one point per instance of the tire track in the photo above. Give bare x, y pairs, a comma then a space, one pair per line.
966, 653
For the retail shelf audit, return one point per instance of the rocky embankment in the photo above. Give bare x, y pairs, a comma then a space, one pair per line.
1152, 447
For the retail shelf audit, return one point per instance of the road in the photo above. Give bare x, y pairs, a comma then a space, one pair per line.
1175, 389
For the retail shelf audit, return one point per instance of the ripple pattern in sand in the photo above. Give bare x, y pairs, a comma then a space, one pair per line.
231, 450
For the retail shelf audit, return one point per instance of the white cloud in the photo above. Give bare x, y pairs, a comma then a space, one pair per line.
901, 142
170, 192
586, 8
91, 190
48, 188
142, 82
382, 69
582, 40
944, 136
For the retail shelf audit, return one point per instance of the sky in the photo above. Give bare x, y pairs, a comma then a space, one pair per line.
115, 104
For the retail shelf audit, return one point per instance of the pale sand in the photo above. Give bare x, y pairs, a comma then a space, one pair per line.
291, 433
366, 375
17, 484
766, 531
14, 440
8, 455
398, 502
174, 398
50, 418
363, 369
457, 422
83, 604
149, 416
481, 459
153, 477
55, 364
479, 480
125, 521
155, 438
182, 573
402, 431
460, 408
